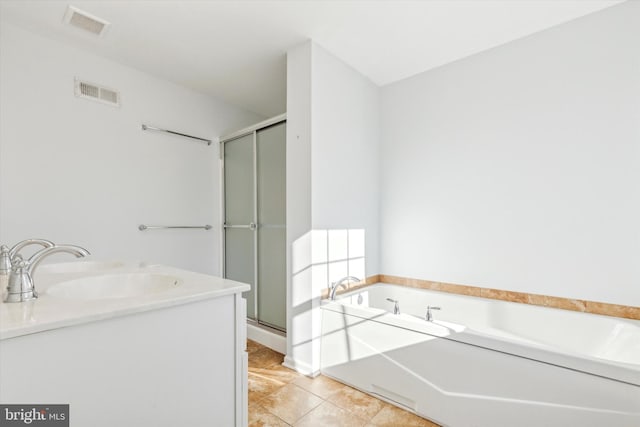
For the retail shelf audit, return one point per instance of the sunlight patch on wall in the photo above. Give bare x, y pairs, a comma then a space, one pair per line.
318, 259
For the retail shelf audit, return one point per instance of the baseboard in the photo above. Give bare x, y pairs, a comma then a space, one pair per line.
269, 339
301, 367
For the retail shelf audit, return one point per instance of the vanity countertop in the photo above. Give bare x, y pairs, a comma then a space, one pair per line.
54, 309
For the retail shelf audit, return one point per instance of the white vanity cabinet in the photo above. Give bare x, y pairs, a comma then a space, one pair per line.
182, 363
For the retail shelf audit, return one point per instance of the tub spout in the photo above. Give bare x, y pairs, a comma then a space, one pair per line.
21, 286
342, 282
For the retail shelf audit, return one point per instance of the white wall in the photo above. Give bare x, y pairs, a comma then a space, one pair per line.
518, 168
332, 197
302, 311
345, 156
76, 171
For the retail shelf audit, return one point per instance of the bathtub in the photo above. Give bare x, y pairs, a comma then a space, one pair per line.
484, 362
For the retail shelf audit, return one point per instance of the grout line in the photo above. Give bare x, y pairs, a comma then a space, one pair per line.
267, 410
305, 414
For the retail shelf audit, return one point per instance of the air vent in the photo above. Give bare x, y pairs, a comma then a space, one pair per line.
84, 89
85, 21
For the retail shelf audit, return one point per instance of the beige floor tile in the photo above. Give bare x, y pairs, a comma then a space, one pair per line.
265, 357
277, 372
391, 416
321, 386
260, 417
357, 402
329, 415
290, 403
253, 346
266, 375
262, 385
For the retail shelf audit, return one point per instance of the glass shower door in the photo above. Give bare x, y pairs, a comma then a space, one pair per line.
271, 179
255, 221
239, 224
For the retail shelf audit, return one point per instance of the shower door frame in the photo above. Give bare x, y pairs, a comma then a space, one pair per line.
282, 118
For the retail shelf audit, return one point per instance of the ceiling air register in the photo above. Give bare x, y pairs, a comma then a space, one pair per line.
85, 21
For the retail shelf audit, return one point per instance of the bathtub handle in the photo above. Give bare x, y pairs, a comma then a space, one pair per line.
429, 316
396, 306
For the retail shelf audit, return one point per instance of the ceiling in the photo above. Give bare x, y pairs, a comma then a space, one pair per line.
236, 50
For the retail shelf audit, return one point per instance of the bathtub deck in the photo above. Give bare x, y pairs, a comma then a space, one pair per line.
281, 397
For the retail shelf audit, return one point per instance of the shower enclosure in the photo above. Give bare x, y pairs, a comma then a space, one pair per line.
254, 237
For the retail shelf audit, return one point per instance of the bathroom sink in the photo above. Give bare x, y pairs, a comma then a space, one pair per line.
114, 286
80, 267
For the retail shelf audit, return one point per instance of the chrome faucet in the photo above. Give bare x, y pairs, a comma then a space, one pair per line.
429, 316
341, 282
21, 286
396, 305
6, 254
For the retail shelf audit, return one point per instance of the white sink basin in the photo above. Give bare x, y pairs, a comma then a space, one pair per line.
114, 286
79, 267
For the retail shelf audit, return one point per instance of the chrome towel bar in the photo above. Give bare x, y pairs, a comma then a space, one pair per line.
143, 227
145, 127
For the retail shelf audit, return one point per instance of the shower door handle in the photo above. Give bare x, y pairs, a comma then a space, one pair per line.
251, 226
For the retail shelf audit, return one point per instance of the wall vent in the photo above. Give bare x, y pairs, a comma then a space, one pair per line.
85, 21
87, 90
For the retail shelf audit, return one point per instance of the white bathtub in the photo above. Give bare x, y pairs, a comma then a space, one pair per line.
484, 362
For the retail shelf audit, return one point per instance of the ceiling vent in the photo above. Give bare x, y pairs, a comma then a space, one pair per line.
94, 92
85, 21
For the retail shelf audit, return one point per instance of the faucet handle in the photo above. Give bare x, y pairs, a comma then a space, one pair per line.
18, 268
429, 315
5, 260
396, 306
20, 287
18, 262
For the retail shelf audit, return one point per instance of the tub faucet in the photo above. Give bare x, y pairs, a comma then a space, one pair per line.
21, 286
429, 316
396, 305
341, 282
6, 254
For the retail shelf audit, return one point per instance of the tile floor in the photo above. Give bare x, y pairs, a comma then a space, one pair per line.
280, 397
